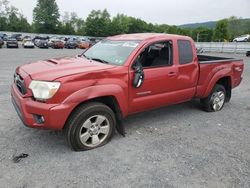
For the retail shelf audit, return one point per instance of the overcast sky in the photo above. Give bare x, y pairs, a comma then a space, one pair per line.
174, 12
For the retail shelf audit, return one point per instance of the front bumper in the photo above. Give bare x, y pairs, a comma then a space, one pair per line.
12, 44
28, 46
54, 115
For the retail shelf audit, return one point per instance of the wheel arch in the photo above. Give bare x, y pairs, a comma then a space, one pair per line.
227, 83
110, 101
225, 80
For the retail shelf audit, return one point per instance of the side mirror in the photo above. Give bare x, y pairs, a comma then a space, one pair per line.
139, 75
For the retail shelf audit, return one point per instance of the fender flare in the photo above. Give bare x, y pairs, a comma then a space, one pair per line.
96, 91
216, 77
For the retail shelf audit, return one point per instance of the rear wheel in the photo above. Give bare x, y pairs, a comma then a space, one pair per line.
216, 100
90, 126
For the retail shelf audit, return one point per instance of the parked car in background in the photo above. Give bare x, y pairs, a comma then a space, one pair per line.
242, 38
4, 36
40, 38
93, 41
248, 53
28, 43
1, 42
57, 44
18, 37
12, 43
27, 37
64, 39
42, 43
51, 40
83, 44
71, 43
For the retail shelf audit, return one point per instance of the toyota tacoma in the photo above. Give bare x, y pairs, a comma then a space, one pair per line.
89, 95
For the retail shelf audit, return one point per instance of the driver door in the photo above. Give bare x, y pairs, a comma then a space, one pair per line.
160, 77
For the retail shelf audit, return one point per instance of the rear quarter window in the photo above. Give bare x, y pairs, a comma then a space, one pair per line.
185, 51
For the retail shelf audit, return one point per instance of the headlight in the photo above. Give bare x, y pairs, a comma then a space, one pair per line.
43, 90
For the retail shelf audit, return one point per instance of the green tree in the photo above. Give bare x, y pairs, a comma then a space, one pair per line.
11, 19
137, 25
233, 25
119, 24
173, 30
163, 28
238, 26
221, 32
3, 23
202, 34
98, 23
77, 23
66, 27
46, 16
185, 31
4, 9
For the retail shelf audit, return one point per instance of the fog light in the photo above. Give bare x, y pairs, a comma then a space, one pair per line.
39, 119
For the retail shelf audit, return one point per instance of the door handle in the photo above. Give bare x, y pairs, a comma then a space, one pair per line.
172, 74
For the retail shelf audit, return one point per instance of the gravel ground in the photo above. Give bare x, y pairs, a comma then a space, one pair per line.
177, 146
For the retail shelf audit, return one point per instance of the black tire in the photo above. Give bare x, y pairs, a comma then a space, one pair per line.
76, 121
208, 102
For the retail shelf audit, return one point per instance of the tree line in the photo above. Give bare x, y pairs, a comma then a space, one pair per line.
47, 19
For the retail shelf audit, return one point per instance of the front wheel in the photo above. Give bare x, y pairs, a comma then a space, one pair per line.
216, 100
90, 126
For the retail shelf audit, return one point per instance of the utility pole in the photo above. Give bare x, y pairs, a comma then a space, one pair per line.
197, 37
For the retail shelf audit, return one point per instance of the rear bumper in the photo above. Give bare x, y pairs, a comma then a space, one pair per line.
54, 115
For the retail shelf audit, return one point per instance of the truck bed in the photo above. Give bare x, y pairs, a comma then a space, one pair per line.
211, 66
214, 59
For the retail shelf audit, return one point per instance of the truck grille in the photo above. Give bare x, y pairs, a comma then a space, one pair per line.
19, 82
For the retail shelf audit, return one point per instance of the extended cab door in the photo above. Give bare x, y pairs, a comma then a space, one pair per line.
159, 78
165, 80
188, 69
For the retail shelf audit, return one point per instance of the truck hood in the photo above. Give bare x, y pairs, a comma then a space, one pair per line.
51, 69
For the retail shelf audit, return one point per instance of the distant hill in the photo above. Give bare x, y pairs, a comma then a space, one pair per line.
210, 24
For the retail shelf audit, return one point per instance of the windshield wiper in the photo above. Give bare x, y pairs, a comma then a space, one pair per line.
95, 59
85, 56
100, 60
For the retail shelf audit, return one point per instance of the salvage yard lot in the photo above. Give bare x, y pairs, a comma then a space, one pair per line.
176, 146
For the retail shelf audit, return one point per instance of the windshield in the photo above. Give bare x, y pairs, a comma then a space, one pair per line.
111, 51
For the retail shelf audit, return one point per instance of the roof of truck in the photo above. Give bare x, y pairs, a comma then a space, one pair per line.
145, 36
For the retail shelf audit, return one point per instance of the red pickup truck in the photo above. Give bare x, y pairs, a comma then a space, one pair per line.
88, 96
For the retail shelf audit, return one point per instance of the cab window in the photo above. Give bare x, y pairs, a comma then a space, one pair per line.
156, 55
185, 52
